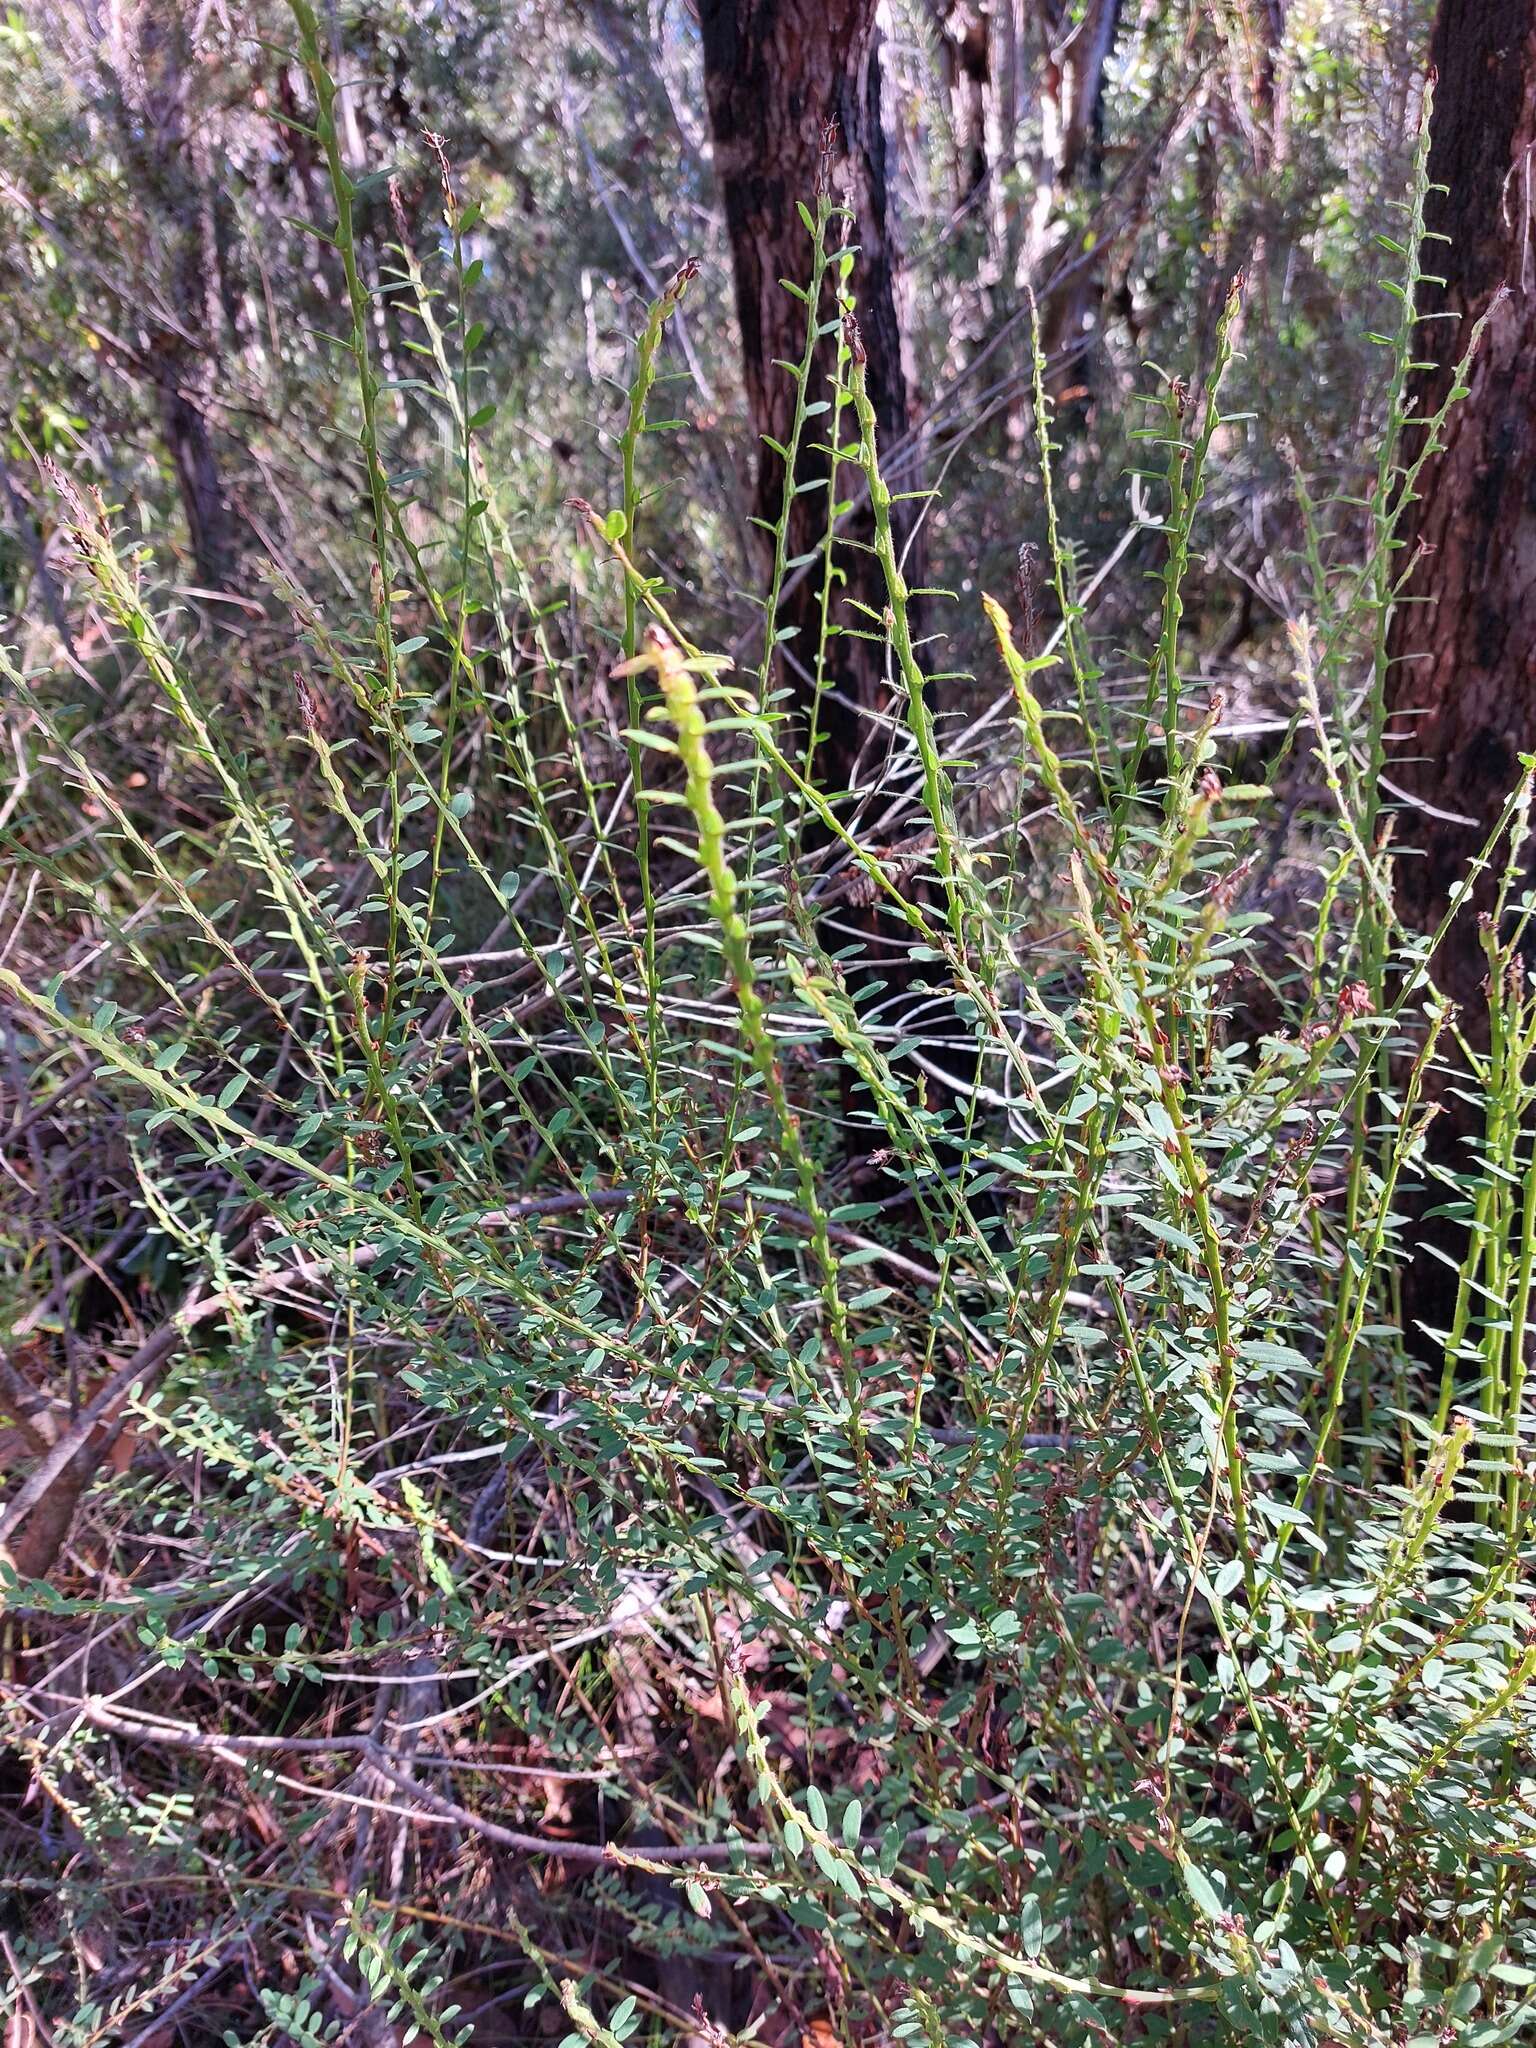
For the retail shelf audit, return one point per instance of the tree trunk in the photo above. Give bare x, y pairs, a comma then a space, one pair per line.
1072, 105
1026, 88
1462, 680
151, 62
964, 36
776, 72
1462, 687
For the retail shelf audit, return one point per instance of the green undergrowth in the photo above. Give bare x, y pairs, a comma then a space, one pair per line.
585, 1542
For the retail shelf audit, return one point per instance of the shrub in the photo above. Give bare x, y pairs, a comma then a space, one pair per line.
679, 1441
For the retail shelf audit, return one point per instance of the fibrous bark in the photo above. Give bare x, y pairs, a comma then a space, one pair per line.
1072, 104
794, 100
150, 59
778, 72
1462, 680
1462, 685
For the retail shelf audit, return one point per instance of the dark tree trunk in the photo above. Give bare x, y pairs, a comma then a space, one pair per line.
1074, 87
1462, 684
152, 74
776, 72
1272, 15
1026, 87
964, 34
1463, 681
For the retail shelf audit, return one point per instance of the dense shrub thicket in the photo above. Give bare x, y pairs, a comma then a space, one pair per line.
733, 1410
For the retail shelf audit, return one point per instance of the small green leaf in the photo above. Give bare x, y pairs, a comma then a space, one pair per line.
1204, 1894
1031, 1926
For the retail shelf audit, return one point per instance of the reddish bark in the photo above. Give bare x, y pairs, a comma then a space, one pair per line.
776, 72
1463, 682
